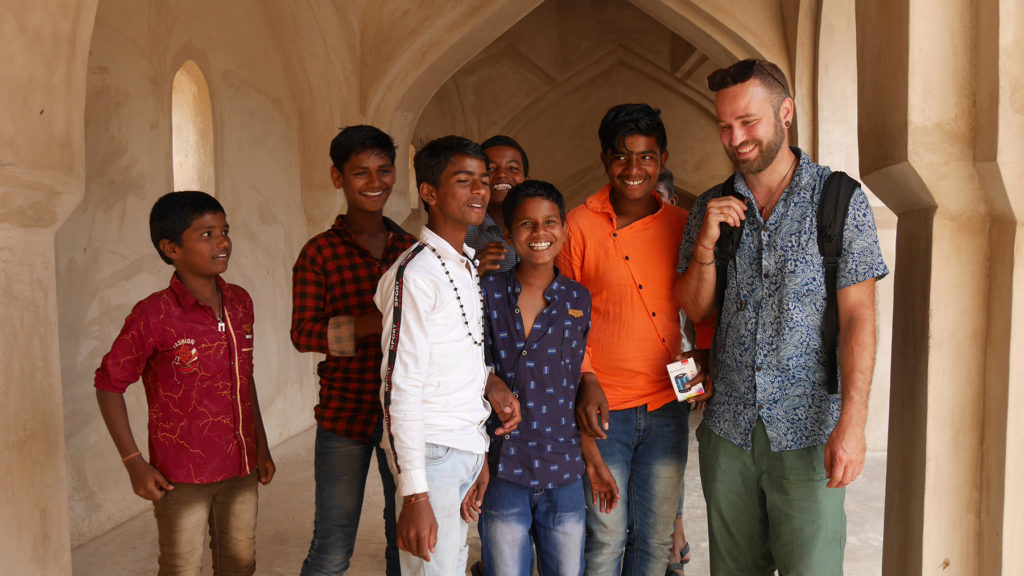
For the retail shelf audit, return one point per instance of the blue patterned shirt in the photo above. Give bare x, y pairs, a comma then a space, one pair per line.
543, 371
769, 357
489, 231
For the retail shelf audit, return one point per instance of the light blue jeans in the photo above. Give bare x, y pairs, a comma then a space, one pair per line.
341, 465
554, 518
646, 453
450, 475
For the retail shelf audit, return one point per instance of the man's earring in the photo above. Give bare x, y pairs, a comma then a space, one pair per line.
787, 123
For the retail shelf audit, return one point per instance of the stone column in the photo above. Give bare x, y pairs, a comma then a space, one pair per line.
935, 92
42, 91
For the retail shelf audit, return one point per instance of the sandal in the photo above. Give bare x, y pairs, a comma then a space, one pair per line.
676, 568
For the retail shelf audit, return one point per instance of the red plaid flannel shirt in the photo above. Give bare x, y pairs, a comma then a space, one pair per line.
334, 276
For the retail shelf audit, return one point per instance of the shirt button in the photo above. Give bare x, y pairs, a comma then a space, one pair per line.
662, 339
627, 257
524, 352
758, 368
615, 234
766, 276
517, 310
760, 407
654, 313
641, 286
507, 436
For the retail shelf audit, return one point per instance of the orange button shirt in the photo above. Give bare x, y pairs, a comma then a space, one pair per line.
630, 273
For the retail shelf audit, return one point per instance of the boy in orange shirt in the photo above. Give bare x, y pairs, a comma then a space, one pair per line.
621, 246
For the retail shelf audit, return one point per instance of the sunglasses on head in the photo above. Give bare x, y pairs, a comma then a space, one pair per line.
739, 73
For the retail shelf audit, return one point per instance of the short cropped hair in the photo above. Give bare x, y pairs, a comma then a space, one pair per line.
774, 80
667, 178
501, 140
530, 189
358, 139
432, 160
628, 119
174, 212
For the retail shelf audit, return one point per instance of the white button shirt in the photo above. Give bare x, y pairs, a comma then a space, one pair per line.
433, 374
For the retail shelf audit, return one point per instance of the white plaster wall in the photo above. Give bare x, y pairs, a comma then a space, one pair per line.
105, 261
42, 91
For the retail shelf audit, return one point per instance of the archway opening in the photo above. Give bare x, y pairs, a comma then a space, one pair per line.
192, 130
549, 78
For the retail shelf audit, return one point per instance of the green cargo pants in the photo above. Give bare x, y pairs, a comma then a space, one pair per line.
770, 510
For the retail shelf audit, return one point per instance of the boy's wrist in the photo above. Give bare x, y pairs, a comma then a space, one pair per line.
415, 498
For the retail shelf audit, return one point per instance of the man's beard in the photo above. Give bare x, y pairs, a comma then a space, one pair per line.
768, 152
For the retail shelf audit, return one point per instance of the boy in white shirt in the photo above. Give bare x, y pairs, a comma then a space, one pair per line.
433, 375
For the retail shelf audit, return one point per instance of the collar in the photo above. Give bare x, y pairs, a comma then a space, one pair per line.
550, 293
801, 177
428, 236
601, 201
489, 223
342, 228
185, 297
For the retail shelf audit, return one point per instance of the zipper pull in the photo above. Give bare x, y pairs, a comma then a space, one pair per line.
220, 326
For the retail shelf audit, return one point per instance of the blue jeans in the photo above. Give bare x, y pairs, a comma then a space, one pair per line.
555, 519
341, 467
450, 475
646, 453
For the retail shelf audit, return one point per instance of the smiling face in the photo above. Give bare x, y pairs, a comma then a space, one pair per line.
367, 179
459, 200
537, 231
204, 249
633, 171
505, 167
750, 127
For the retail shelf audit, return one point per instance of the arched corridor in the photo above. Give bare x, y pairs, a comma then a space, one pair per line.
88, 146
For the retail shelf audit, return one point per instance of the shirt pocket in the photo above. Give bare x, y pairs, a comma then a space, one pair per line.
245, 362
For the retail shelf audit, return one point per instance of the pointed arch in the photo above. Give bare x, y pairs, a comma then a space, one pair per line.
192, 130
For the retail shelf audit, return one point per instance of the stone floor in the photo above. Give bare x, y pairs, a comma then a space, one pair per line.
286, 523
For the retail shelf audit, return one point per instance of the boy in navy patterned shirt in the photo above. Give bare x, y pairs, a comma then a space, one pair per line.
531, 492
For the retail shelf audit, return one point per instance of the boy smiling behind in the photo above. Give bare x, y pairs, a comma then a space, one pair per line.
507, 165
538, 321
191, 344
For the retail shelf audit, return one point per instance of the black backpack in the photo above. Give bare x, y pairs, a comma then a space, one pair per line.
835, 202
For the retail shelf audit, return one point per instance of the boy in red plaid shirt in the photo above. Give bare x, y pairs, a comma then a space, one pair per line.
333, 313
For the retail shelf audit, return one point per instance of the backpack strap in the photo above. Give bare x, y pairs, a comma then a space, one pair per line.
835, 203
725, 251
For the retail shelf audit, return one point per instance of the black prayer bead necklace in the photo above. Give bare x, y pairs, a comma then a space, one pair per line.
465, 319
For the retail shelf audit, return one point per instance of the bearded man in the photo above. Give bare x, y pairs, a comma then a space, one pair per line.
776, 448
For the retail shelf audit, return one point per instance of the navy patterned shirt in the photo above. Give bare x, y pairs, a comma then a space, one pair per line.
543, 371
769, 358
